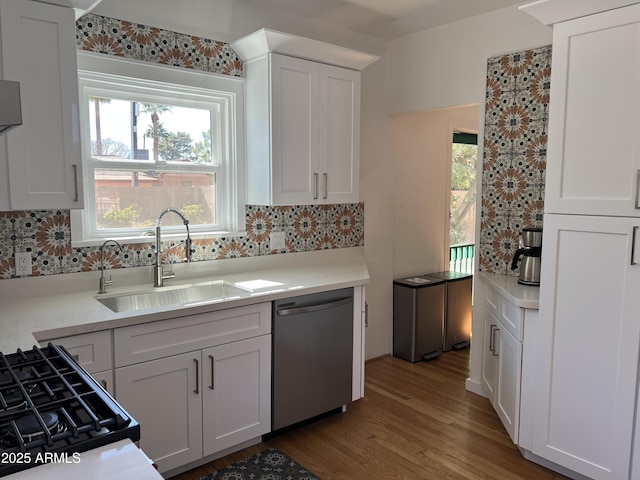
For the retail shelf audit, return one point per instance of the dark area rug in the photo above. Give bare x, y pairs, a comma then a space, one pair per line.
271, 464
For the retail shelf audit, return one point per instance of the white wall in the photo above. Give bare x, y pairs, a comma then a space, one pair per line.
422, 158
447, 66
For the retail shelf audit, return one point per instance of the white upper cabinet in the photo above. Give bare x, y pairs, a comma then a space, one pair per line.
303, 119
41, 159
593, 162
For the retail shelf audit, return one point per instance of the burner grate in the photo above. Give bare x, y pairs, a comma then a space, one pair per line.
48, 403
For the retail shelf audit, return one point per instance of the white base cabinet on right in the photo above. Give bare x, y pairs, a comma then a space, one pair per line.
588, 345
502, 356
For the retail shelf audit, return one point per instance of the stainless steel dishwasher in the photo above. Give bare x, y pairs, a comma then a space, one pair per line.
312, 355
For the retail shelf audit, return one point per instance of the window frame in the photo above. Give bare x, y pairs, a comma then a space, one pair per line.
131, 78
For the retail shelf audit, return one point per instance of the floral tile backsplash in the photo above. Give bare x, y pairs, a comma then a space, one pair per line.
46, 235
515, 153
110, 36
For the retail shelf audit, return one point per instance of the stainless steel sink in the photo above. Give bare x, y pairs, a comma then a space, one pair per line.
169, 296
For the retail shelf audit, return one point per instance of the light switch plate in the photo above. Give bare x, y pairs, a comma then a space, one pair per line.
277, 240
23, 263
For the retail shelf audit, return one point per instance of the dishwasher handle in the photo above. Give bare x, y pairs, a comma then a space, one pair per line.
314, 308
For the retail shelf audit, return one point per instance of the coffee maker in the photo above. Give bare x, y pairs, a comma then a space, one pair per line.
530, 250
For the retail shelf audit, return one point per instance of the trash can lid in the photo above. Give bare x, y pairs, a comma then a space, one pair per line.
418, 281
450, 275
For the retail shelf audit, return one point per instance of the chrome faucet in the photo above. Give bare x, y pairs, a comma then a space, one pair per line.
104, 283
158, 272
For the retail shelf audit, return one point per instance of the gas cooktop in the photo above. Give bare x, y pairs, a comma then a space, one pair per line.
51, 410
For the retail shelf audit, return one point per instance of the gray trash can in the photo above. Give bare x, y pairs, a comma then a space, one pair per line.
457, 311
418, 317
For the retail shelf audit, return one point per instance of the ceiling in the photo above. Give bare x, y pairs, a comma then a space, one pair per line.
389, 19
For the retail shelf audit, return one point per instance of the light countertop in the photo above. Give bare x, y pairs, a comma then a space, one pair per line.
42, 308
117, 461
523, 296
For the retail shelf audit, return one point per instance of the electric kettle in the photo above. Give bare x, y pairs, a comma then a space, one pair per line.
530, 252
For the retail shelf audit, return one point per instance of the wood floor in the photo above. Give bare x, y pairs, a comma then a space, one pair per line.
416, 421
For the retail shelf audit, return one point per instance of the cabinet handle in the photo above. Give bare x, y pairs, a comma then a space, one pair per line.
104, 383
75, 181
633, 245
637, 189
491, 346
197, 390
212, 386
315, 186
495, 350
325, 178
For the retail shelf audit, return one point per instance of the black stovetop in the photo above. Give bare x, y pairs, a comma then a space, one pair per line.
52, 409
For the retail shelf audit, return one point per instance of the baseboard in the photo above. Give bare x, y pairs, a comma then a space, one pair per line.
551, 466
474, 387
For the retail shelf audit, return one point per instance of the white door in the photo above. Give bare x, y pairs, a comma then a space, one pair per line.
236, 392
339, 135
165, 397
594, 119
39, 51
507, 395
295, 130
587, 345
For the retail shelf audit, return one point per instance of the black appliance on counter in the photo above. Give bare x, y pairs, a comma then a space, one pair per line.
50, 406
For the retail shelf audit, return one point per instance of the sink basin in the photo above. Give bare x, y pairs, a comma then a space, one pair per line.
167, 296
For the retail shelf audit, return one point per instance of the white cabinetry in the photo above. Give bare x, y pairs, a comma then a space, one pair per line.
303, 119
94, 352
594, 119
197, 384
303, 124
502, 358
584, 400
588, 349
40, 160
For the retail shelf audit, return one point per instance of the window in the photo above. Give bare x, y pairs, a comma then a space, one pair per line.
155, 137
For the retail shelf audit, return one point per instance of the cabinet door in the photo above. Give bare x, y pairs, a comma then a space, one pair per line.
507, 395
594, 119
295, 130
165, 397
587, 359
105, 379
43, 154
338, 172
236, 393
489, 355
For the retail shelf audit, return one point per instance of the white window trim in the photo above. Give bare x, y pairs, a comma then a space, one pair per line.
106, 69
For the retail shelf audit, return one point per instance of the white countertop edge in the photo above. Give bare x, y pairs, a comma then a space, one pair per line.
523, 296
27, 319
121, 460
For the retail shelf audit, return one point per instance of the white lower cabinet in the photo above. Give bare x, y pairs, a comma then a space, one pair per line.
192, 405
198, 384
502, 358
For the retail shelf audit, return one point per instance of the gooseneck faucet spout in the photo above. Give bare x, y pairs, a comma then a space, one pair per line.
158, 272
104, 283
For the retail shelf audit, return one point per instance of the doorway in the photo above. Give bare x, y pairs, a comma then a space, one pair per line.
462, 201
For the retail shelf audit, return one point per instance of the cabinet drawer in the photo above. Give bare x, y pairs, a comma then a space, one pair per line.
492, 301
149, 341
91, 350
511, 316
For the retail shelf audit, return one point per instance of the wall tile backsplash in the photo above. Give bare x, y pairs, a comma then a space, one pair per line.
110, 36
515, 153
46, 234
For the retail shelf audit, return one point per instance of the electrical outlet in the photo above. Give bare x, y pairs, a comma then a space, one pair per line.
23, 263
277, 240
